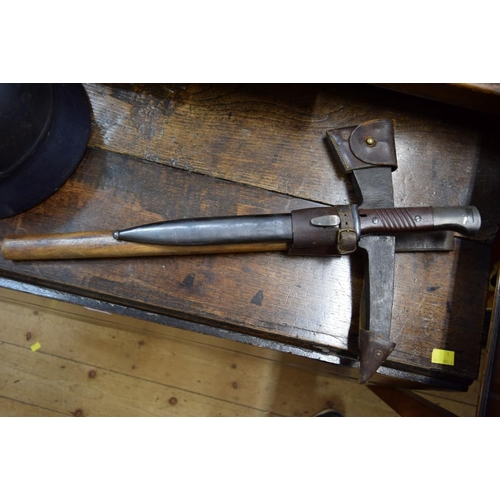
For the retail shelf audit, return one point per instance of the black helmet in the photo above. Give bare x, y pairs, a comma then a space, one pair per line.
44, 130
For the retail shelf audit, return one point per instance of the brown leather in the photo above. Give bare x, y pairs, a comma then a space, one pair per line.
310, 239
383, 150
367, 145
375, 349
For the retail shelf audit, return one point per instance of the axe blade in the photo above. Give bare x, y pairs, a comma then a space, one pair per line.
376, 304
368, 153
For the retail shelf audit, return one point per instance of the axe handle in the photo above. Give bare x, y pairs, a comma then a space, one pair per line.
101, 244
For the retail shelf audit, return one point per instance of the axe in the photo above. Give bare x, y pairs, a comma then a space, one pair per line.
368, 154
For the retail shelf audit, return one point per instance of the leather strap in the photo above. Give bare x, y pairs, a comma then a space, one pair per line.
367, 145
336, 236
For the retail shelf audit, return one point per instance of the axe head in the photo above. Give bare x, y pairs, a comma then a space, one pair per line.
368, 153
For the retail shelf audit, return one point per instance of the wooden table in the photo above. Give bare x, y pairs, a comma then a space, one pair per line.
170, 151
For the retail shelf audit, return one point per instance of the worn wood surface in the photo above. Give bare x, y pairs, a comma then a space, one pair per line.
159, 152
96, 369
94, 364
102, 244
478, 96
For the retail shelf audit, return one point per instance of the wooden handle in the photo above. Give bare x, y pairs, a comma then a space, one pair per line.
97, 245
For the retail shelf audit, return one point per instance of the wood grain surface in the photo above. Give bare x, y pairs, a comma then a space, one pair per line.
102, 245
478, 96
89, 364
172, 151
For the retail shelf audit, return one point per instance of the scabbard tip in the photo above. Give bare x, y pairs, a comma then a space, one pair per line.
374, 350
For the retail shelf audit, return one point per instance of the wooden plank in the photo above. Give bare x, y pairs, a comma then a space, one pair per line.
461, 403
430, 314
466, 400
65, 386
408, 404
13, 408
273, 137
223, 377
36, 304
477, 96
454, 402
303, 299
245, 134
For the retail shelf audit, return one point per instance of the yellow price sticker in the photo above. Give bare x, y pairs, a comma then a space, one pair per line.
36, 346
443, 357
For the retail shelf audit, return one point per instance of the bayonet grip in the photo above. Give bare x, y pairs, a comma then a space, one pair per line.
463, 220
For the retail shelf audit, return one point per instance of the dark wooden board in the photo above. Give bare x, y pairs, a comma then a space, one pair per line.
273, 137
308, 301
161, 152
477, 96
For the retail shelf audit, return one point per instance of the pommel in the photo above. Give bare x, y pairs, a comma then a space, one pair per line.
463, 220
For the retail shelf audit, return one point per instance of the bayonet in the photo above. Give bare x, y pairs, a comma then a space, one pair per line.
367, 152
331, 231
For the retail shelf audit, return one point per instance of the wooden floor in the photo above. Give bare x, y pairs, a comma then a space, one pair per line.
88, 365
